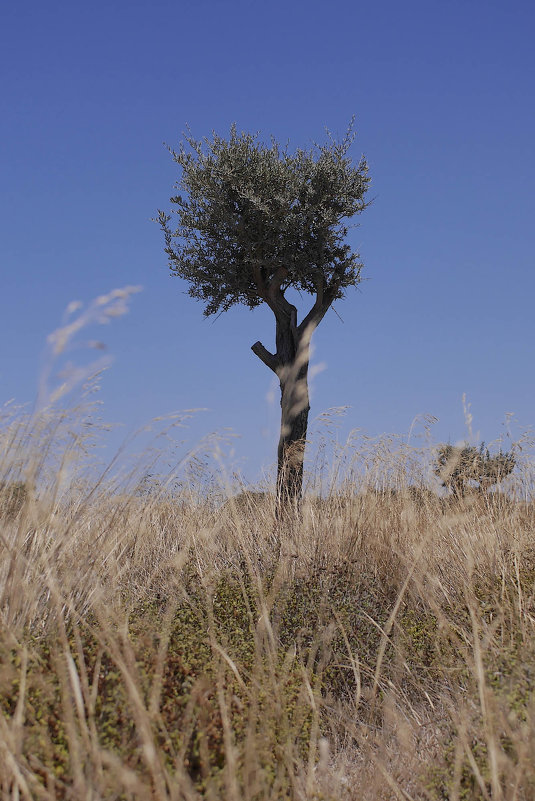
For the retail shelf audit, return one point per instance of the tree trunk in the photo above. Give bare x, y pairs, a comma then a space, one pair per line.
293, 352
291, 451
290, 363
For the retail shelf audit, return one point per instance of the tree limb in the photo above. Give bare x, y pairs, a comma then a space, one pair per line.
265, 356
259, 281
275, 284
275, 296
320, 288
324, 298
272, 294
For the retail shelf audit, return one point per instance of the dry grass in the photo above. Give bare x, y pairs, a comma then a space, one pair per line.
162, 640
165, 645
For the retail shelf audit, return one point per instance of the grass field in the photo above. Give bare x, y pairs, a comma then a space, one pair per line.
160, 644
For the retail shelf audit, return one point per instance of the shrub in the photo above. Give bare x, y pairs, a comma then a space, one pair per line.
459, 467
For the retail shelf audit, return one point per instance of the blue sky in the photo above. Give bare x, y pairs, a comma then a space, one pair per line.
445, 113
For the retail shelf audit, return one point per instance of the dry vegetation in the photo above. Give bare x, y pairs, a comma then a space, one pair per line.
171, 639
174, 645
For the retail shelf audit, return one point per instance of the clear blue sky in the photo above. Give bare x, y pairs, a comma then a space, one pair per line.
444, 101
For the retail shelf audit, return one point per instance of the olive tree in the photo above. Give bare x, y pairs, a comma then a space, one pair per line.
253, 220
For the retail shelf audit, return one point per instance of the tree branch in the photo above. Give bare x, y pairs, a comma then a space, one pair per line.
259, 281
275, 283
265, 356
272, 294
324, 298
320, 288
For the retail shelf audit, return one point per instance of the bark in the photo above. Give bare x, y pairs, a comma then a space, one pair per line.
294, 416
290, 363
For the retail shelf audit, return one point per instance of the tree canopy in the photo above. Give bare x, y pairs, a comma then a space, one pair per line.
253, 219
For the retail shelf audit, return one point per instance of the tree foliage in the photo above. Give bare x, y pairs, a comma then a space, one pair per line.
252, 216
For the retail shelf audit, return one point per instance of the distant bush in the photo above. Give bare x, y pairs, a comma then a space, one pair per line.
460, 467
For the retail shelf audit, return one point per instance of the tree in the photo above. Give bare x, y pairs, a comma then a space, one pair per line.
459, 466
254, 220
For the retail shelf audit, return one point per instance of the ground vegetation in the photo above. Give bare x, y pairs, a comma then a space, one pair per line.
176, 645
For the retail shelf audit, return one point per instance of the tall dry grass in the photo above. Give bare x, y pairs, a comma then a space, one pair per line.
160, 645
171, 640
